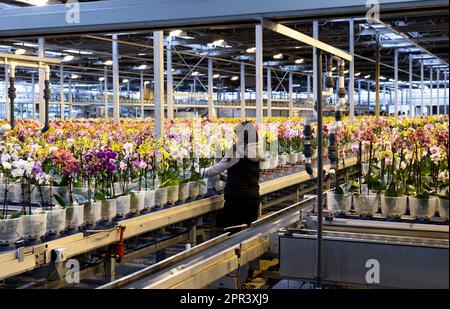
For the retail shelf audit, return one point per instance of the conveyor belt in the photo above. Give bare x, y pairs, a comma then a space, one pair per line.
204, 265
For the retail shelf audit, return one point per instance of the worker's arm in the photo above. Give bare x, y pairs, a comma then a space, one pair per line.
220, 167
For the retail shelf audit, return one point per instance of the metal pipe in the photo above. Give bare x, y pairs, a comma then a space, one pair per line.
308, 86
106, 93
61, 81
396, 83
319, 270
211, 109
445, 92
242, 91
170, 108
315, 36
377, 79
368, 96
33, 96
7, 112
269, 93
142, 87
410, 96
259, 73
422, 86
41, 54
431, 91
116, 85
438, 86
158, 67
291, 94
351, 83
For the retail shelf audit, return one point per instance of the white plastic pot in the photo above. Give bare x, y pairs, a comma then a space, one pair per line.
92, 212
194, 189
74, 217
422, 208
109, 209
393, 206
34, 226
123, 205
10, 231
274, 161
301, 157
149, 199
173, 193
293, 158
137, 201
339, 202
56, 221
183, 192
443, 209
161, 197
283, 160
203, 188
265, 165
366, 204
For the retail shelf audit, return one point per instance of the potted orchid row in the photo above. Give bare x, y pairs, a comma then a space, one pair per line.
402, 165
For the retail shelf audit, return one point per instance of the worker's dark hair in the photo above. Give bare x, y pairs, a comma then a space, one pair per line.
246, 130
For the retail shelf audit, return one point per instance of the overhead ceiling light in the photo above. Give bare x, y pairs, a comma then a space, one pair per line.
358, 74
235, 78
68, 58
195, 73
142, 67
81, 52
26, 44
75, 76
20, 51
125, 81
346, 71
175, 33
101, 79
35, 2
382, 78
216, 76
367, 76
108, 62
298, 47
278, 56
333, 69
299, 61
251, 50
141, 54
146, 82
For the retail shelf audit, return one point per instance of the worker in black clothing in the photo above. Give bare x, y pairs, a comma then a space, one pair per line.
241, 162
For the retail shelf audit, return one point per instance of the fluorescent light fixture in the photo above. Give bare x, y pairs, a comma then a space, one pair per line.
26, 44
333, 69
141, 54
251, 50
299, 61
216, 76
278, 56
235, 78
175, 33
81, 52
195, 73
108, 62
382, 78
142, 67
125, 81
68, 58
367, 76
146, 82
101, 79
298, 47
35, 2
75, 76
20, 51
358, 74
346, 71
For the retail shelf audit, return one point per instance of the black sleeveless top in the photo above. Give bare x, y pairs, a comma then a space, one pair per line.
243, 180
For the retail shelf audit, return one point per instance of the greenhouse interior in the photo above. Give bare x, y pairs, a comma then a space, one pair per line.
224, 145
